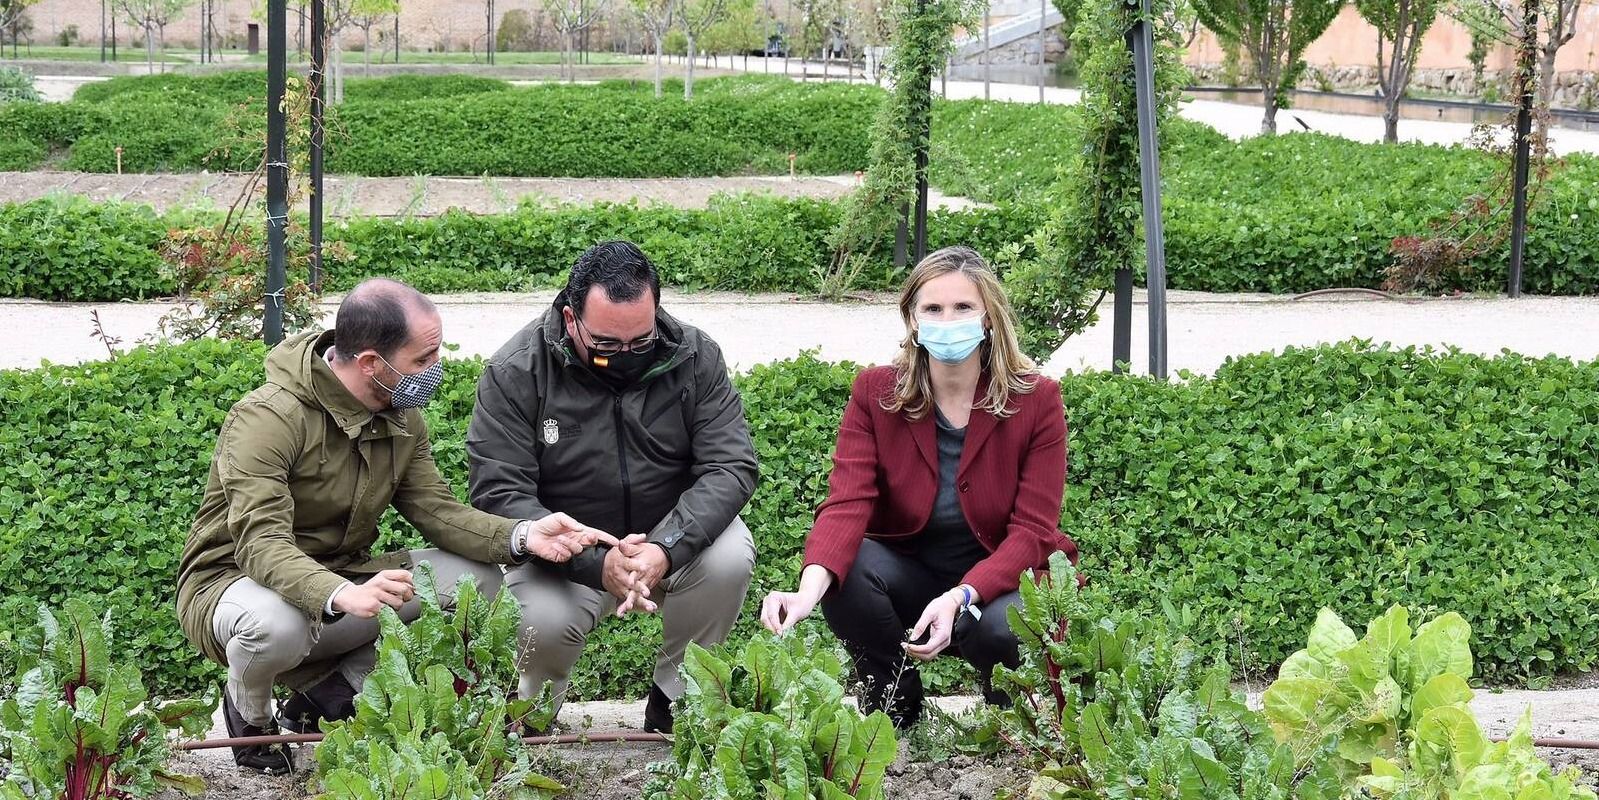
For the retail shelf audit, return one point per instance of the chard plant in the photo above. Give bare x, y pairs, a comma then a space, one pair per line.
1389, 711
770, 721
82, 728
435, 719
1118, 705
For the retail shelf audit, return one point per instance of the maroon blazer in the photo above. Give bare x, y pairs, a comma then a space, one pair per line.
885, 478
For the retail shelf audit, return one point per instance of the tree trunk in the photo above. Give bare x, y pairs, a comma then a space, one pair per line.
1390, 118
366, 54
149, 46
1546, 76
688, 79
657, 37
338, 68
1268, 120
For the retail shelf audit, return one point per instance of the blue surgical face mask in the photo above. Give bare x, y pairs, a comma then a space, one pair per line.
951, 342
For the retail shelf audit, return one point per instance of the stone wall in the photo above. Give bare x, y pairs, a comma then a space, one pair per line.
1573, 89
1022, 52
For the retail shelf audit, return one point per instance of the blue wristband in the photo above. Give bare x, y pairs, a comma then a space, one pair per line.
966, 597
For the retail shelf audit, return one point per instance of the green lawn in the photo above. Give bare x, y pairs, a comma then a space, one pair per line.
353, 57
126, 52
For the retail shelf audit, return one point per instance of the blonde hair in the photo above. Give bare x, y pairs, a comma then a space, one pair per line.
1009, 369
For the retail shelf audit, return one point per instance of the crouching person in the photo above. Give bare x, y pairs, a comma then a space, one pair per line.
277, 582
608, 409
947, 484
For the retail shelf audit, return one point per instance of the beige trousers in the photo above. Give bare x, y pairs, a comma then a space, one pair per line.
265, 636
700, 603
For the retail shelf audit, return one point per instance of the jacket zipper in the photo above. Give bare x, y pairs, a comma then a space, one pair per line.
621, 452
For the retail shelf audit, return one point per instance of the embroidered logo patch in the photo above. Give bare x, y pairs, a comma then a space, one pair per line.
552, 431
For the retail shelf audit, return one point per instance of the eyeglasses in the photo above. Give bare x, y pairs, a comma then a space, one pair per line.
610, 347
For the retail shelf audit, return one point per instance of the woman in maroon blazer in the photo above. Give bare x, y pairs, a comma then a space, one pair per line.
946, 487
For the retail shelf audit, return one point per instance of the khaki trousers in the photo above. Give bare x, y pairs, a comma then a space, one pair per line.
265, 636
700, 603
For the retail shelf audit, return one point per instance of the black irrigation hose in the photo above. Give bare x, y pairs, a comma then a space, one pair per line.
639, 736
309, 738
1345, 290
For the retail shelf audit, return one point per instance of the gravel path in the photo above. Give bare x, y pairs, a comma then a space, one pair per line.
427, 196
1205, 329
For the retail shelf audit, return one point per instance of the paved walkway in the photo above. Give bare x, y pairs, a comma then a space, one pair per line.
428, 196
1205, 329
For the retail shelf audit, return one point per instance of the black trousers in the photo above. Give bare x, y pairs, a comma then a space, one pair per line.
884, 594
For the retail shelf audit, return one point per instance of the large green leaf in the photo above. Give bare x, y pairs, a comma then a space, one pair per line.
1447, 689
1300, 708
1441, 645
1329, 636
709, 680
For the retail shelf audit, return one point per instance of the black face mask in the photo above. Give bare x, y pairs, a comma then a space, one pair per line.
622, 370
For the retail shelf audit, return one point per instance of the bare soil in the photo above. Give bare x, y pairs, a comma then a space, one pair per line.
619, 771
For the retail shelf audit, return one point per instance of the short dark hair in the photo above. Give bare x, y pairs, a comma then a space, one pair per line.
374, 316
620, 267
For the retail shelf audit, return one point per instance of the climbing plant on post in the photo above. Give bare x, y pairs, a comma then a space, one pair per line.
921, 43
1097, 223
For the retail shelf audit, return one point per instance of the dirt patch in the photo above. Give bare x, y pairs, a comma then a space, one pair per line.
619, 772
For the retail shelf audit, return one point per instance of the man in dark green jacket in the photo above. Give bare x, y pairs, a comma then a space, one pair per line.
608, 409
277, 581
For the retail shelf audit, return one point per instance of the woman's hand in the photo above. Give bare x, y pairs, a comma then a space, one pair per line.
781, 611
938, 622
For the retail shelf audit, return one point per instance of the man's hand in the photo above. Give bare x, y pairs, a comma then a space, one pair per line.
619, 575
629, 574
649, 563
558, 537
391, 587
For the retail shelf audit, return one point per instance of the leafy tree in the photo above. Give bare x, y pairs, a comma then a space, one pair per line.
742, 30
571, 18
1400, 25
1276, 33
657, 17
1501, 21
152, 16
695, 18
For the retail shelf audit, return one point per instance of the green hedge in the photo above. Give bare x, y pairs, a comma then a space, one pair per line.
74, 250
459, 125
1348, 476
1287, 213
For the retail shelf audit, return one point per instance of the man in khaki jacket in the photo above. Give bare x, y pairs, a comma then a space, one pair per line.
277, 580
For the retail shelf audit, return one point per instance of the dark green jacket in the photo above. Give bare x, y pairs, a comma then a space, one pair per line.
670, 456
300, 477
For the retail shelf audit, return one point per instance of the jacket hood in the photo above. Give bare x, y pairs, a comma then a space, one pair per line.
298, 365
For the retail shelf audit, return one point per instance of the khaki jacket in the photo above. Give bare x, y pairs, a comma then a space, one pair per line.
301, 475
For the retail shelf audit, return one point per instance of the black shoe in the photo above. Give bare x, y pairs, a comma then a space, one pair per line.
658, 712
270, 759
333, 699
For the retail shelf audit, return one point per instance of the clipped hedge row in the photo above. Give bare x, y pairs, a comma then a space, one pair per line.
458, 125
74, 250
1288, 213
1347, 476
